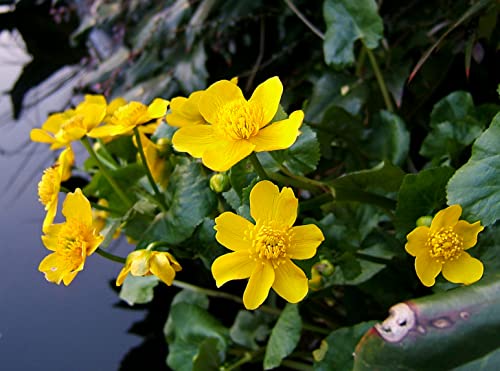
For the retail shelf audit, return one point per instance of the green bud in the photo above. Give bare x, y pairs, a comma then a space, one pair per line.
219, 182
424, 221
324, 267
163, 146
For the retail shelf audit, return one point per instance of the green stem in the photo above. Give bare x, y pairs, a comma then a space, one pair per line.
109, 157
304, 179
372, 259
88, 146
316, 202
346, 194
247, 357
317, 329
159, 197
220, 294
294, 365
259, 169
361, 62
380, 80
286, 180
111, 257
95, 205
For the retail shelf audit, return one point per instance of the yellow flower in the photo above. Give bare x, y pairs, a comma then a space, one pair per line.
146, 262
66, 160
62, 128
71, 241
263, 252
185, 111
155, 161
442, 248
48, 192
237, 127
126, 117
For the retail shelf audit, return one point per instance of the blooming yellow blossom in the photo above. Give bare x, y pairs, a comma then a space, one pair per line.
126, 117
441, 247
48, 192
263, 252
237, 127
71, 241
62, 128
146, 262
185, 112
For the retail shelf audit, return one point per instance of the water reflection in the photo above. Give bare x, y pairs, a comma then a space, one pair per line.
42, 325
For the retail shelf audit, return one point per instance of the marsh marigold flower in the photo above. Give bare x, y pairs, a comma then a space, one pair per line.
125, 118
62, 128
71, 241
237, 127
441, 248
145, 262
263, 251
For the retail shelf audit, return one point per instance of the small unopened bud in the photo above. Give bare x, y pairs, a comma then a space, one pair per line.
324, 267
219, 182
424, 221
316, 281
163, 145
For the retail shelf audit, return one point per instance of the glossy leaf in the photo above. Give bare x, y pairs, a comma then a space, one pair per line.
138, 290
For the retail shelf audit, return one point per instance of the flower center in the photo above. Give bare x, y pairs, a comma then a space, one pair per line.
445, 245
70, 125
239, 120
48, 187
129, 115
72, 244
271, 244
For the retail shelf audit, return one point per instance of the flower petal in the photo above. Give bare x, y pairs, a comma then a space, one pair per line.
51, 237
41, 136
261, 280
305, 241
157, 108
194, 139
267, 96
161, 268
279, 135
446, 218
76, 206
50, 265
262, 199
233, 266
465, 269
139, 262
107, 130
215, 97
51, 213
233, 231
416, 241
468, 232
69, 277
185, 111
290, 282
427, 269
122, 275
225, 153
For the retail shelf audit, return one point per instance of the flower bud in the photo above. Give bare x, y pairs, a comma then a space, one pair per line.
219, 182
424, 221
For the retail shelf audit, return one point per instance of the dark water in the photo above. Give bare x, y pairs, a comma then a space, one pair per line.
44, 326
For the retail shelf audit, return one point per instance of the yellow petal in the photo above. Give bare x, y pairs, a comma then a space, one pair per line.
157, 108
50, 266
261, 280
41, 136
233, 231
279, 135
216, 97
66, 160
267, 96
465, 269
69, 277
93, 109
233, 266
290, 282
51, 237
185, 111
222, 155
93, 243
427, 269
122, 275
262, 199
305, 241
446, 218
107, 131
468, 232
51, 213
161, 268
113, 106
76, 206
416, 241
56, 120
194, 139
285, 207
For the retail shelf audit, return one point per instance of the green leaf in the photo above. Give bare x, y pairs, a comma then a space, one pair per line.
475, 185
303, 156
190, 201
387, 139
138, 290
284, 336
441, 331
340, 347
490, 361
348, 21
249, 327
420, 194
194, 336
488, 250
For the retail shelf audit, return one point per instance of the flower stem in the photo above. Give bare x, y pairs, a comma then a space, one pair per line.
259, 169
104, 172
380, 79
294, 365
111, 257
158, 195
302, 17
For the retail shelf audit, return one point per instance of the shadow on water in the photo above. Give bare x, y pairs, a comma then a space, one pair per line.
42, 325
